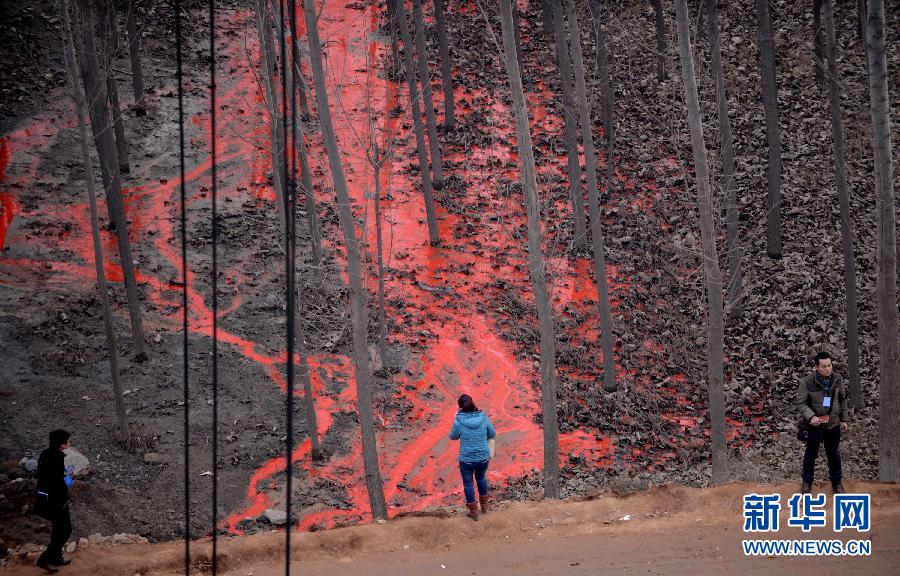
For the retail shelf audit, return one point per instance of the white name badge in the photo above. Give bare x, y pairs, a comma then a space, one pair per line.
827, 402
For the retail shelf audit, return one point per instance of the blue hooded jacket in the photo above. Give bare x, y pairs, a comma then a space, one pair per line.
472, 429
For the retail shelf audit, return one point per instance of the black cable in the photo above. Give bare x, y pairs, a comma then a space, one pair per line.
289, 236
215, 286
184, 298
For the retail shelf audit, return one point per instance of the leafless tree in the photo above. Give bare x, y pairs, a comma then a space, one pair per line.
602, 58
570, 123
886, 249
732, 247
818, 41
276, 128
547, 13
359, 319
110, 31
416, 113
840, 178
716, 327
437, 169
769, 91
134, 47
607, 338
440, 21
535, 257
95, 91
78, 96
661, 48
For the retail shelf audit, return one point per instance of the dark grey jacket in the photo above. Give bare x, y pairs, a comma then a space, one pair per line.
811, 396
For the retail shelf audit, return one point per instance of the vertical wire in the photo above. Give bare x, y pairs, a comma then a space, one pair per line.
215, 285
184, 297
290, 199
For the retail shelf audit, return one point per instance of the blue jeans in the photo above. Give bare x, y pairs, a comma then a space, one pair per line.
479, 470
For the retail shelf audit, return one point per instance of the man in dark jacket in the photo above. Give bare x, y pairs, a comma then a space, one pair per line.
53, 486
822, 402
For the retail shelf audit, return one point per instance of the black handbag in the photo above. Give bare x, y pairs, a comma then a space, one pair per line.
803, 427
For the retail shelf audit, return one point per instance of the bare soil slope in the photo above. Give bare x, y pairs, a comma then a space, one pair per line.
670, 529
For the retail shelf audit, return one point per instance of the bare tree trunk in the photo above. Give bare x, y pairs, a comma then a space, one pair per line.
716, 331
607, 338
312, 217
773, 131
861, 19
535, 257
608, 95
732, 248
109, 167
309, 398
437, 169
547, 12
78, 96
446, 64
416, 113
379, 259
570, 124
518, 31
134, 46
818, 42
840, 178
661, 48
111, 48
359, 318
392, 25
886, 249
276, 139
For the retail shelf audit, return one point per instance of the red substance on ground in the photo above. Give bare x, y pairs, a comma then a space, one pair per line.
456, 344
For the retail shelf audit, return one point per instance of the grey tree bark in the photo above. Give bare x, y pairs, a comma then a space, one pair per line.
607, 337
359, 319
570, 124
602, 59
518, 31
535, 257
309, 398
886, 249
437, 169
547, 13
416, 113
134, 47
440, 21
379, 258
78, 96
818, 42
312, 216
276, 130
726, 141
716, 328
769, 91
661, 48
840, 178
110, 31
95, 92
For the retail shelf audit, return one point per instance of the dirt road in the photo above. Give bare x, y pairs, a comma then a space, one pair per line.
666, 530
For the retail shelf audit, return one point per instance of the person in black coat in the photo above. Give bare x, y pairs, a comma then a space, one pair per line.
53, 486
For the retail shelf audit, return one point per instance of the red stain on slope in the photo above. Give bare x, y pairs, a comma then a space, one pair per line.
449, 290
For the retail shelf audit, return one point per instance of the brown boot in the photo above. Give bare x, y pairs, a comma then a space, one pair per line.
473, 510
838, 488
484, 504
805, 487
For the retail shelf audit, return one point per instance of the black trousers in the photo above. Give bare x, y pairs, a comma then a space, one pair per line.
59, 535
832, 439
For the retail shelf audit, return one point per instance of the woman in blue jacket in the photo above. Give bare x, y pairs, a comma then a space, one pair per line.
473, 429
